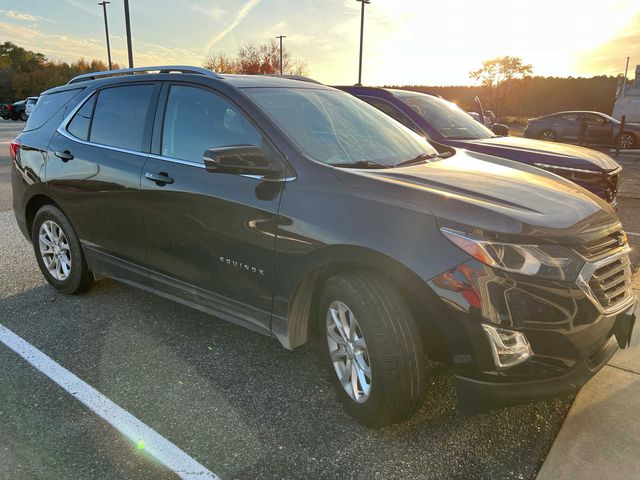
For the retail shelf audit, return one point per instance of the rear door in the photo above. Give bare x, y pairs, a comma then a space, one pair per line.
210, 236
94, 167
568, 126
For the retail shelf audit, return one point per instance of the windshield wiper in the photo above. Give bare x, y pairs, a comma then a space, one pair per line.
361, 164
422, 158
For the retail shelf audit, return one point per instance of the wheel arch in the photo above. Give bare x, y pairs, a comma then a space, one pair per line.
35, 203
303, 302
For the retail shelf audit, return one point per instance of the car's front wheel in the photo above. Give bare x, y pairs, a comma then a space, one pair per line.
58, 251
374, 348
23, 116
627, 140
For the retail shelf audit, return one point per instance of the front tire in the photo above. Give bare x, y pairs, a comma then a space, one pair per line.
374, 349
23, 116
627, 140
58, 252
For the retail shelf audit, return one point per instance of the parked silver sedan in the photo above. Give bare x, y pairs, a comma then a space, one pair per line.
601, 129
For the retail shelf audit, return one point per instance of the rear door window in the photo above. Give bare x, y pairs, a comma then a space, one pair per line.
122, 115
47, 106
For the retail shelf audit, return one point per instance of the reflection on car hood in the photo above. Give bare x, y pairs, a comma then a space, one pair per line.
495, 197
531, 151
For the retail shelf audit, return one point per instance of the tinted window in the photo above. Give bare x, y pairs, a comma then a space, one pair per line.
197, 120
79, 126
335, 128
390, 110
121, 115
47, 106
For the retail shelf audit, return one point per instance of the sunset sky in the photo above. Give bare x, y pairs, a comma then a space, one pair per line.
427, 42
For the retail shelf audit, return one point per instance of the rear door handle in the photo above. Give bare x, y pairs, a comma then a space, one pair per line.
161, 178
65, 156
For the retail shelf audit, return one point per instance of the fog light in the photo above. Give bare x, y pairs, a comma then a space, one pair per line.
508, 347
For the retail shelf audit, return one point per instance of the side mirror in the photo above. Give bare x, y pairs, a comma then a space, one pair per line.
500, 129
238, 159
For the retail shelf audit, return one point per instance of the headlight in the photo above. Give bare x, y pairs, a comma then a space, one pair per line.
554, 262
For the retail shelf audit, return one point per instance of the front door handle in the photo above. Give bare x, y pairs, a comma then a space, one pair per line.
65, 156
161, 178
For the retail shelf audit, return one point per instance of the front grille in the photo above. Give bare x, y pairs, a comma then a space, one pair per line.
604, 246
611, 283
611, 280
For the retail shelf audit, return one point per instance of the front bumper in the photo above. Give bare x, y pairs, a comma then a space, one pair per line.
571, 339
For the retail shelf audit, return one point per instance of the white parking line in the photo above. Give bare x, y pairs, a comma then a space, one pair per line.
141, 435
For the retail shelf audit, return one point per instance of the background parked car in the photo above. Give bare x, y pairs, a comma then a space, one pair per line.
15, 111
446, 124
31, 102
602, 129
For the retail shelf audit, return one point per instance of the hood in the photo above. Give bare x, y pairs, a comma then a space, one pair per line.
537, 151
495, 198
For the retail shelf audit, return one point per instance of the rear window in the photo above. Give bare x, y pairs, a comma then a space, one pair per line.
47, 106
120, 116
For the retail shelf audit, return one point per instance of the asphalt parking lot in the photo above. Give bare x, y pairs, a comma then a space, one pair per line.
230, 399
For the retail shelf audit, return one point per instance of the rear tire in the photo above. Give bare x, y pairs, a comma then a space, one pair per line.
548, 135
378, 349
58, 252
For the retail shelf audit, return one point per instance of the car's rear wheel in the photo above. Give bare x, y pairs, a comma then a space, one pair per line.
23, 116
548, 135
627, 140
374, 348
58, 251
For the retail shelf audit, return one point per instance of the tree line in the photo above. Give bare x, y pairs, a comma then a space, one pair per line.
507, 86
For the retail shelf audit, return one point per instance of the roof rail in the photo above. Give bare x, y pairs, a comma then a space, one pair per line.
300, 78
160, 69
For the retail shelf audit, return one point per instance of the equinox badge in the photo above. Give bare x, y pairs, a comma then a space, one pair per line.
242, 266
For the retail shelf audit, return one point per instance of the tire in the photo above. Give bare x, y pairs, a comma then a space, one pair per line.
23, 116
627, 140
77, 278
548, 135
384, 337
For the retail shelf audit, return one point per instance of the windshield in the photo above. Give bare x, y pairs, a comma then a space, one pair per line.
336, 128
446, 117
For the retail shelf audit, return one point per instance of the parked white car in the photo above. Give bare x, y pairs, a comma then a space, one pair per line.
31, 102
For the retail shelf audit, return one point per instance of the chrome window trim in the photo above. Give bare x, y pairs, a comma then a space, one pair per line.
62, 130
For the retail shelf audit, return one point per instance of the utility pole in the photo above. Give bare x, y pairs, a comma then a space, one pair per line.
281, 37
106, 30
364, 2
624, 80
127, 23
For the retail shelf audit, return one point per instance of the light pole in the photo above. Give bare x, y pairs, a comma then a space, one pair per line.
106, 30
281, 37
127, 23
364, 2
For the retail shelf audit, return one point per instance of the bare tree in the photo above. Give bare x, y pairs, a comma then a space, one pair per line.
498, 75
256, 59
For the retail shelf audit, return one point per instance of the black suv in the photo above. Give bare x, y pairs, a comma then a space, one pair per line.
297, 210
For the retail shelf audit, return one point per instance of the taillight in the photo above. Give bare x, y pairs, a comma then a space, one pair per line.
13, 149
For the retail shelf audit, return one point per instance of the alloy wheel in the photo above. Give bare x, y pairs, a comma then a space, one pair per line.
348, 349
54, 250
548, 136
626, 140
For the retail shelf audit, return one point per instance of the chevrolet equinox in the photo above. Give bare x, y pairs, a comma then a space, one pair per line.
299, 211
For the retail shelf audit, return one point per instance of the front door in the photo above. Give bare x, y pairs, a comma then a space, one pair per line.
210, 236
599, 129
